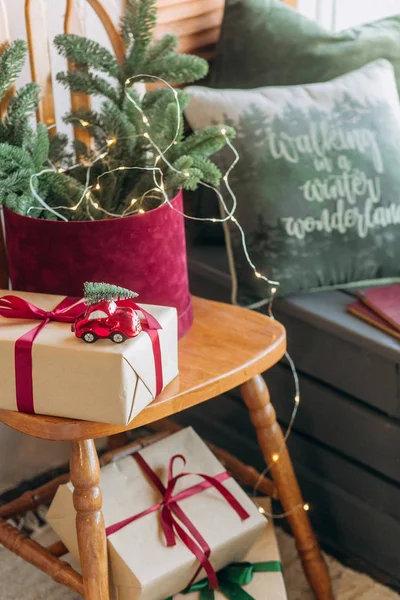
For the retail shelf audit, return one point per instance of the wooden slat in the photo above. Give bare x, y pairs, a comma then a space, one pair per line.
72, 24
37, 556
191, 43
188, 10
31, 499
193, 25
39, 57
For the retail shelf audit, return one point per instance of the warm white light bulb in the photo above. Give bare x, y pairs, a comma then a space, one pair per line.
297, 399
87, 195
257, 274
223, 131
133, 201
84, 123
275, 457
306, 507
261, 510
110, 142
145, 119
97, 186
273, 290
141, 211
95, 204
187, 174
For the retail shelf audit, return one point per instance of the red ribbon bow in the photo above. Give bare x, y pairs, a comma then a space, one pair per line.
13, 307
172, 515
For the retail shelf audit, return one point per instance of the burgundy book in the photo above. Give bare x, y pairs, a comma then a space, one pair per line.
362, 311
384, 301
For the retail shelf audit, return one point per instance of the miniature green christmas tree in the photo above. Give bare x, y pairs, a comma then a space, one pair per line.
24, 150
126, 124
97, 292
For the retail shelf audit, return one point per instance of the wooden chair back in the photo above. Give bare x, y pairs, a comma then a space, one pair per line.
197, 22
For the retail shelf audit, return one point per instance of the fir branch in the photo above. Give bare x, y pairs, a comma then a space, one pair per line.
81, 117
86, 53
16, 182
163, 115
137, 30
58, 148
22, 104
210, 172
19, 203
12, 157
97, 292
206, 141
87, 83
40, 147
12, 59
166, 45
61, 189
174, 179
178, 68
117, 126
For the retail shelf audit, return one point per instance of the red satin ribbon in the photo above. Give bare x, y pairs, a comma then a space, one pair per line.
14, 307
171, 513
150, 326
67, 311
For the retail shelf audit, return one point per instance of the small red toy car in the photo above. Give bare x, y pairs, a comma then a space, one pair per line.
107, 320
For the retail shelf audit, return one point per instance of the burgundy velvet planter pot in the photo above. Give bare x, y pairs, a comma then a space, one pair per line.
145, 253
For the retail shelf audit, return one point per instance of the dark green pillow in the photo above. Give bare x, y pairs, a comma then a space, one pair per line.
318, 183
265, 42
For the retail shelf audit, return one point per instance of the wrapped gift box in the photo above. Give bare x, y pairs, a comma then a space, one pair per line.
264, 585
142, 566
104, 381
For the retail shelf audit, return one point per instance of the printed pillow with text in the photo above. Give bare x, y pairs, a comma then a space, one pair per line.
318, 181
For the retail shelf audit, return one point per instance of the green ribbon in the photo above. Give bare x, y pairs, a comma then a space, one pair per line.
232, 578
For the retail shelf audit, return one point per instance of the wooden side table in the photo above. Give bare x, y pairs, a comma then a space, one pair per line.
227, 346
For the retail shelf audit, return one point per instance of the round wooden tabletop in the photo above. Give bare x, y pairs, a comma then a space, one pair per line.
226, 346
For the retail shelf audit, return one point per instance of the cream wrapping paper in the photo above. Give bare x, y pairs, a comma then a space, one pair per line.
265, 586
142, 566
104, 381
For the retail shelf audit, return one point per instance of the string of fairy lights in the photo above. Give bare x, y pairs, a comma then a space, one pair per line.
227, 216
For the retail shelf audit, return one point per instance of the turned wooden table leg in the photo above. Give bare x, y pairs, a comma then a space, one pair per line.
270, 438
85, 476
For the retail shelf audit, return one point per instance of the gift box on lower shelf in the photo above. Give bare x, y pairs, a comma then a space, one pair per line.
168, 510
259, 574
46, 369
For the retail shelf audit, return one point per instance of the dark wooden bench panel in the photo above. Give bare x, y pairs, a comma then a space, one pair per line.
323, 339
340, 422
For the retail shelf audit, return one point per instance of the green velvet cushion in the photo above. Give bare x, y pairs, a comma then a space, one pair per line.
318, 183
265, 42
